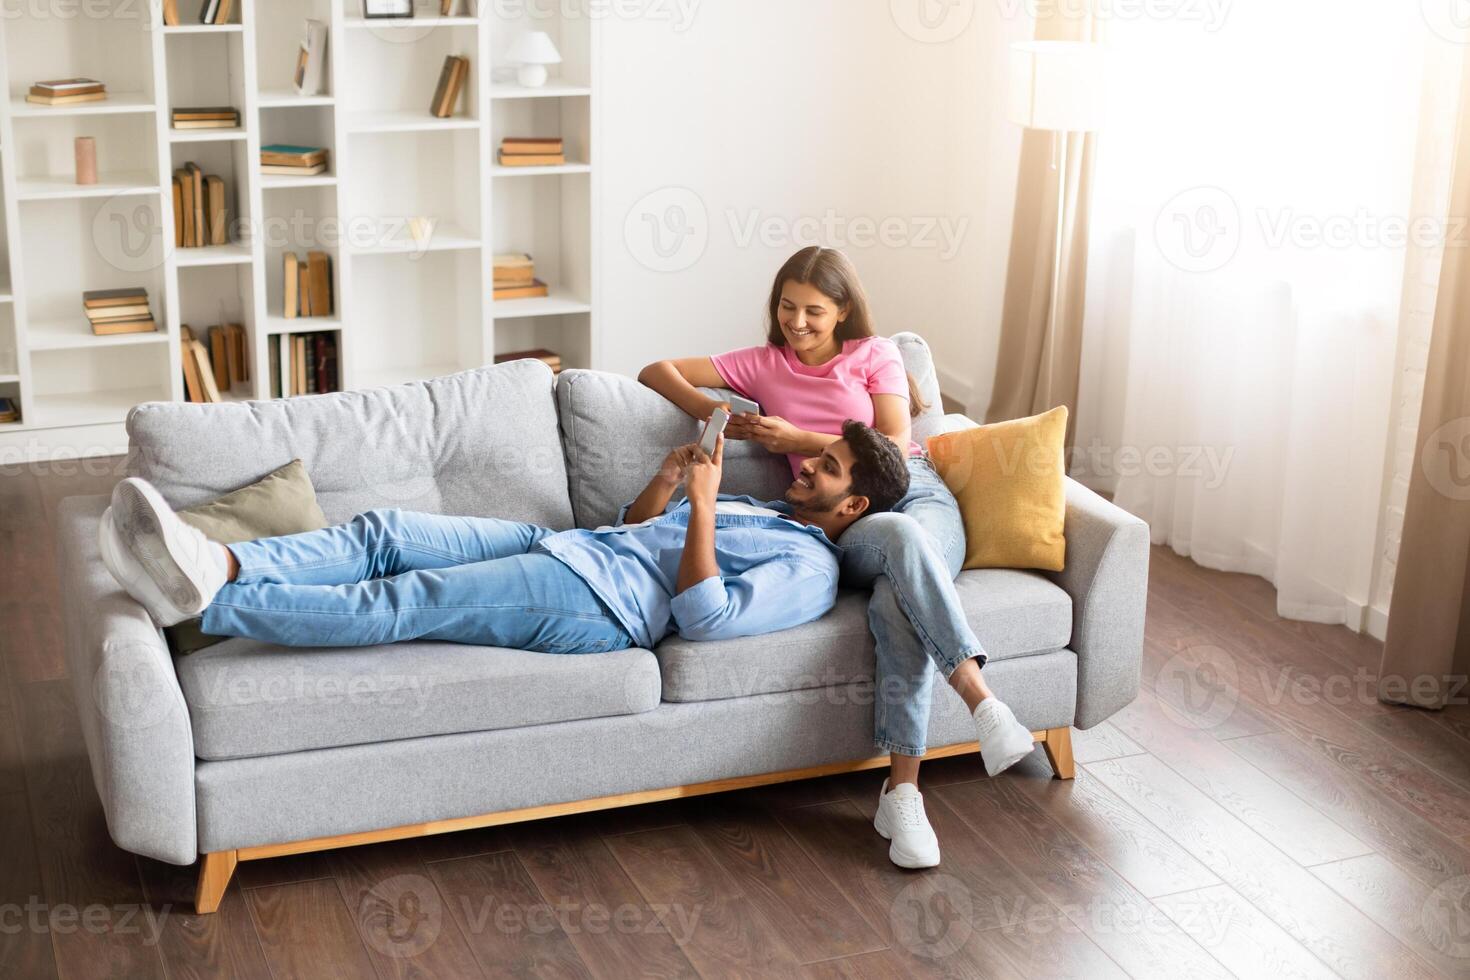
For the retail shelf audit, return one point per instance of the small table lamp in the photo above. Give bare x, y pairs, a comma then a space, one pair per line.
1057, 86
534, 51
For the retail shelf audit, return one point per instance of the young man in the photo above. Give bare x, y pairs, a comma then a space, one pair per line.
710, 567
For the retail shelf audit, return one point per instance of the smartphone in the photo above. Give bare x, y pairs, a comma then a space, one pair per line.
712, 430
742, 406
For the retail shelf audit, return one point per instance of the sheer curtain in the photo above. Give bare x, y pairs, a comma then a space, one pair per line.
1249, 231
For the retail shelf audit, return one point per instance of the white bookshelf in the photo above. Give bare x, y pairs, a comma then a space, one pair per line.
405, 310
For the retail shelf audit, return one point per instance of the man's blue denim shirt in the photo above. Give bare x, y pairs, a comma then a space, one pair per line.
774, 573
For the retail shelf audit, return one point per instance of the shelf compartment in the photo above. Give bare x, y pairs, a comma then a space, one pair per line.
288, 99
569, 334
115, 104
205, 135
551, 90
426, 317
72, 334
108, 185
91, 407
275, 323
231, 254
428, 21
445, 237
559, 303
406, 121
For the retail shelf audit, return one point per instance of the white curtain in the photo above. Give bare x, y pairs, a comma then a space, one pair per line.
1249, 233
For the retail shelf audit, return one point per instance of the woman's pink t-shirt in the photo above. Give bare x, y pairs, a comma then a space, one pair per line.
817, 397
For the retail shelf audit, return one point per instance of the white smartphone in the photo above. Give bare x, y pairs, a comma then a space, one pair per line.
742, 406
712, 429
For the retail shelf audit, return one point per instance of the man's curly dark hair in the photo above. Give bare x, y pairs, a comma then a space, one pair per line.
879, 471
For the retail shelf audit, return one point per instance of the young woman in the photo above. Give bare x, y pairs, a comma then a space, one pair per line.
823, 364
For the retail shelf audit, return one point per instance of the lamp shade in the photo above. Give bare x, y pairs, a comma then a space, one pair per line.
534, 48
1056, 85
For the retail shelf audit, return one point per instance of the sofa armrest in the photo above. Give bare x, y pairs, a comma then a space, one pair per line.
133, 714
1106, 575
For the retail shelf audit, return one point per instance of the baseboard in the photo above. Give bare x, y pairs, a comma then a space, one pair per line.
1375, 623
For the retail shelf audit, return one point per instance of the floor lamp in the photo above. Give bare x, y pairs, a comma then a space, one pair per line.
1057, 87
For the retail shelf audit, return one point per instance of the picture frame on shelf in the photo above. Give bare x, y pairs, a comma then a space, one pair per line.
386, 9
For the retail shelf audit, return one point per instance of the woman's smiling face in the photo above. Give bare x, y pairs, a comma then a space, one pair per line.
809, 318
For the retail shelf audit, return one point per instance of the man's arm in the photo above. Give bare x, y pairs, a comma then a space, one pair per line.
655, 497
774, 595
702, 484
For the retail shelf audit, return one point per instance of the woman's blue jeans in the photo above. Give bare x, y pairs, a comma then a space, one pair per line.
910, 557
392, 575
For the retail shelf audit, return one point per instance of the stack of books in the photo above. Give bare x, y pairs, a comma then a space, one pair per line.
548, 357
515, 277
67, 91
293, 161
303, 364
9, 411
208, 371
205, 117
201, 208
115, 311
532, 151
452, 77
306, 286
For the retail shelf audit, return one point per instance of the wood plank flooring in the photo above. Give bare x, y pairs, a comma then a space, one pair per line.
1256, 812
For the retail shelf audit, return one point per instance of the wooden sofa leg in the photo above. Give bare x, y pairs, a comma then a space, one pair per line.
1058, 747
215, 870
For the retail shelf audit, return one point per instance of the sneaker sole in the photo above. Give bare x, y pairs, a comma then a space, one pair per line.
131, 577
141, 526
900, 857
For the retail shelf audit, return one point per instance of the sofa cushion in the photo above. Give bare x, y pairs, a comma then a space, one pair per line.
248, 698
1014, 613
616, 432
481, 443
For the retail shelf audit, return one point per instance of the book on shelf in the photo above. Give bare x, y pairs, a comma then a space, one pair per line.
513, 269
451, 80
197, 176
206, 117
531, 159
118, 311
523, 145
215, 11
219, 357
311, 59
446, 8
535, 289
239, 352
178, 189
288, 155
171, 13
548, 357
303, 364
185, 180
290, 301
320, 168
216, 210
66, 91
9, 411
319, 271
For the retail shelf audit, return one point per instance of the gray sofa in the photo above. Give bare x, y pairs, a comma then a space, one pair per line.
244, 750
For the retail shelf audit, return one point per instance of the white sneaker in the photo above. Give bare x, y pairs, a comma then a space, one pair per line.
164, 563
901, 819
1004, 741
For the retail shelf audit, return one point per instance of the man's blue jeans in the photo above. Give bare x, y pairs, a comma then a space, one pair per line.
910, 557
391, 575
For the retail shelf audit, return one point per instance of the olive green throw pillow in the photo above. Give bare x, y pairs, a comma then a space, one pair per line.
282, 503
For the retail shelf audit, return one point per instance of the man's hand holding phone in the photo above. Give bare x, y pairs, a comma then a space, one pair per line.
702, 474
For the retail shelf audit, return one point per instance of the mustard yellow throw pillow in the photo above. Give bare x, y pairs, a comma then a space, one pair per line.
1009, 481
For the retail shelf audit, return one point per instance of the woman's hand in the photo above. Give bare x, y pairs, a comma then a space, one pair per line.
675, 465
775, 434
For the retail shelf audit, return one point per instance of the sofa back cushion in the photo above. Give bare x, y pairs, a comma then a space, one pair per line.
616, 431
481, 443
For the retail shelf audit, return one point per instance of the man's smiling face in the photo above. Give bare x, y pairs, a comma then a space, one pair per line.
825, 481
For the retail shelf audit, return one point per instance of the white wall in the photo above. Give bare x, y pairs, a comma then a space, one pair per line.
772, 124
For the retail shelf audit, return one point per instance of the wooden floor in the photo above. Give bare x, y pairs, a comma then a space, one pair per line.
1256, 812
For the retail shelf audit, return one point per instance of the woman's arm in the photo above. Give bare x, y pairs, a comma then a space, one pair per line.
890, 417
678, 380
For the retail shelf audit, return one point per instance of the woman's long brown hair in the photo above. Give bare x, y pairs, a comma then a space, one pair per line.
833, 275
